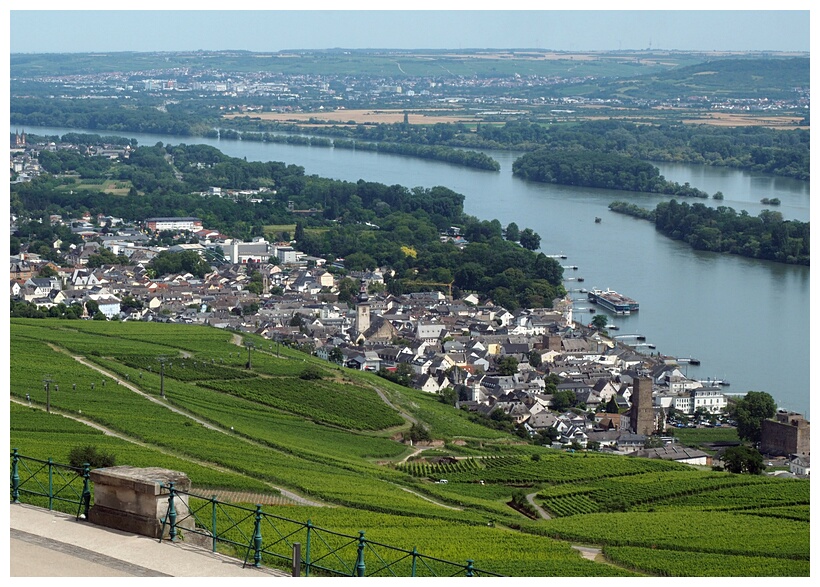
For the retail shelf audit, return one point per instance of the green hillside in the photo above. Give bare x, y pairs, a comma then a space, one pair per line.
774, 78
330, 435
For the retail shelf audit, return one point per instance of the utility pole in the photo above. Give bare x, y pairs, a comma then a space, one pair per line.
47, 380
162, 376
250, 345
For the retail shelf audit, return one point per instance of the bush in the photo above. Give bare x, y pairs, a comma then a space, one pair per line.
310, 373
80, 455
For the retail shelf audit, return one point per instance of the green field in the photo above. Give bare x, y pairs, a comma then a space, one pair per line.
335, 441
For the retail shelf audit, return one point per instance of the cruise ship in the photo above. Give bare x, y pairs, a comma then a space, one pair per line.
613, 301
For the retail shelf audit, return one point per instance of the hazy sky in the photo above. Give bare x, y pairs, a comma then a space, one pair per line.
95, 28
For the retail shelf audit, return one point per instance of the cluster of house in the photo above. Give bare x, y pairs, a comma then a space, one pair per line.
24, 163
440, 342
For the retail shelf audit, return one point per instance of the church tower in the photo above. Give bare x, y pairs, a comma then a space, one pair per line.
642, 414
362, 309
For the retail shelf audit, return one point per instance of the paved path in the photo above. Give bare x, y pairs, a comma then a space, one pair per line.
541, 511
53, 544
588, 552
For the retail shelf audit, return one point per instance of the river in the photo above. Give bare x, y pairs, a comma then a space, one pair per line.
746, 320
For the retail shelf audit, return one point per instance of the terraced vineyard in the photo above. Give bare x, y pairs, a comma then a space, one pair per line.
332, 440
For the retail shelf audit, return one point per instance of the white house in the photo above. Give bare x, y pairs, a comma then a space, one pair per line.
800, 465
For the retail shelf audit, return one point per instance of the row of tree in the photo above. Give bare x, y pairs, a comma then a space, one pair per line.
722, 229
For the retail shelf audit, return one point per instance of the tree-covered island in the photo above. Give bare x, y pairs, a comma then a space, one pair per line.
722, 229
597, 169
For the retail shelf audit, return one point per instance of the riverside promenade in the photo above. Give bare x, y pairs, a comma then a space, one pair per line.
45, 543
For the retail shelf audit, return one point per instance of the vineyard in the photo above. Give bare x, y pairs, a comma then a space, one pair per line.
185, 398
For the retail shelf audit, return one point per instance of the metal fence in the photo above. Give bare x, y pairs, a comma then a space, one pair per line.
260, 538
265, 538
49, 484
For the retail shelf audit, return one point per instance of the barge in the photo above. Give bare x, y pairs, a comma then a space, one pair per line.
613, 301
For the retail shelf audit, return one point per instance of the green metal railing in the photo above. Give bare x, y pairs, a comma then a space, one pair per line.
258, 537
50, 484
271, 539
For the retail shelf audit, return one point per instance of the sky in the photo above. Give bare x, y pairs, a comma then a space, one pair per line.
185, 26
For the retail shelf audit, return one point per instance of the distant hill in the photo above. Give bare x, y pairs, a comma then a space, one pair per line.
774, 78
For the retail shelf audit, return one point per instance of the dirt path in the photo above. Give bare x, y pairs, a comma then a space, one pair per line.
541, 511
288, 494
588, 552
424, 497
414, 453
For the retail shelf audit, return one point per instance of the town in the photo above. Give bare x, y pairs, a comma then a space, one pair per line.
407, 293
554, 377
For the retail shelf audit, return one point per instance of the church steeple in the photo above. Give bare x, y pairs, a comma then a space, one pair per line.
362, 309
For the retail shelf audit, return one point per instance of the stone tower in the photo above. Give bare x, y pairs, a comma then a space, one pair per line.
642, 413
362, 309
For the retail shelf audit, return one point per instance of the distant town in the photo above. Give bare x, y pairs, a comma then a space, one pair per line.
557, 376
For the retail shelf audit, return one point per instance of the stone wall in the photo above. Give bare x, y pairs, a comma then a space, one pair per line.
788, 434
136, 499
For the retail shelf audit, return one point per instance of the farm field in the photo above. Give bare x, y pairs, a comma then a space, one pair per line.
335, 442
343, 116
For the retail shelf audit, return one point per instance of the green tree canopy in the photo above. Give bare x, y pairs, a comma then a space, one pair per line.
507, 365
743, 459
599, 321
530, 239
750, 411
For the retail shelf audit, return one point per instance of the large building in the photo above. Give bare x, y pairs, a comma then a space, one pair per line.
257, 251
787, 434
174, 223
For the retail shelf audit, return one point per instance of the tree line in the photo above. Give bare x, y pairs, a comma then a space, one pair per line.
722, 229
779, 152
597, 169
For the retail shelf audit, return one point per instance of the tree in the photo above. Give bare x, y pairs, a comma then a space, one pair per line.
563, 400
530, 239
535, 358
743, 459
336, 356
507, 365
749, 413
612, 406
47, 271
448, 395
599, 321
513, 233
418, 433
80, 455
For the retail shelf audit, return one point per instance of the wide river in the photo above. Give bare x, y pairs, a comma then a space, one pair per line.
746, 320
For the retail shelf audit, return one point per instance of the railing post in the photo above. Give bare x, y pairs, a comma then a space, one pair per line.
360, 556
172, 512
413, 566
469, 567
213, 523
15, 477
50, 484
86, 497
307, 549
296, 561
257, 537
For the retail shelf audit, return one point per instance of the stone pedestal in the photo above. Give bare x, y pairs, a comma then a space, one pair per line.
135, 500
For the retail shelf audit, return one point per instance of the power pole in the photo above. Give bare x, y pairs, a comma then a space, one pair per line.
47, 380
162, 376
250, 345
